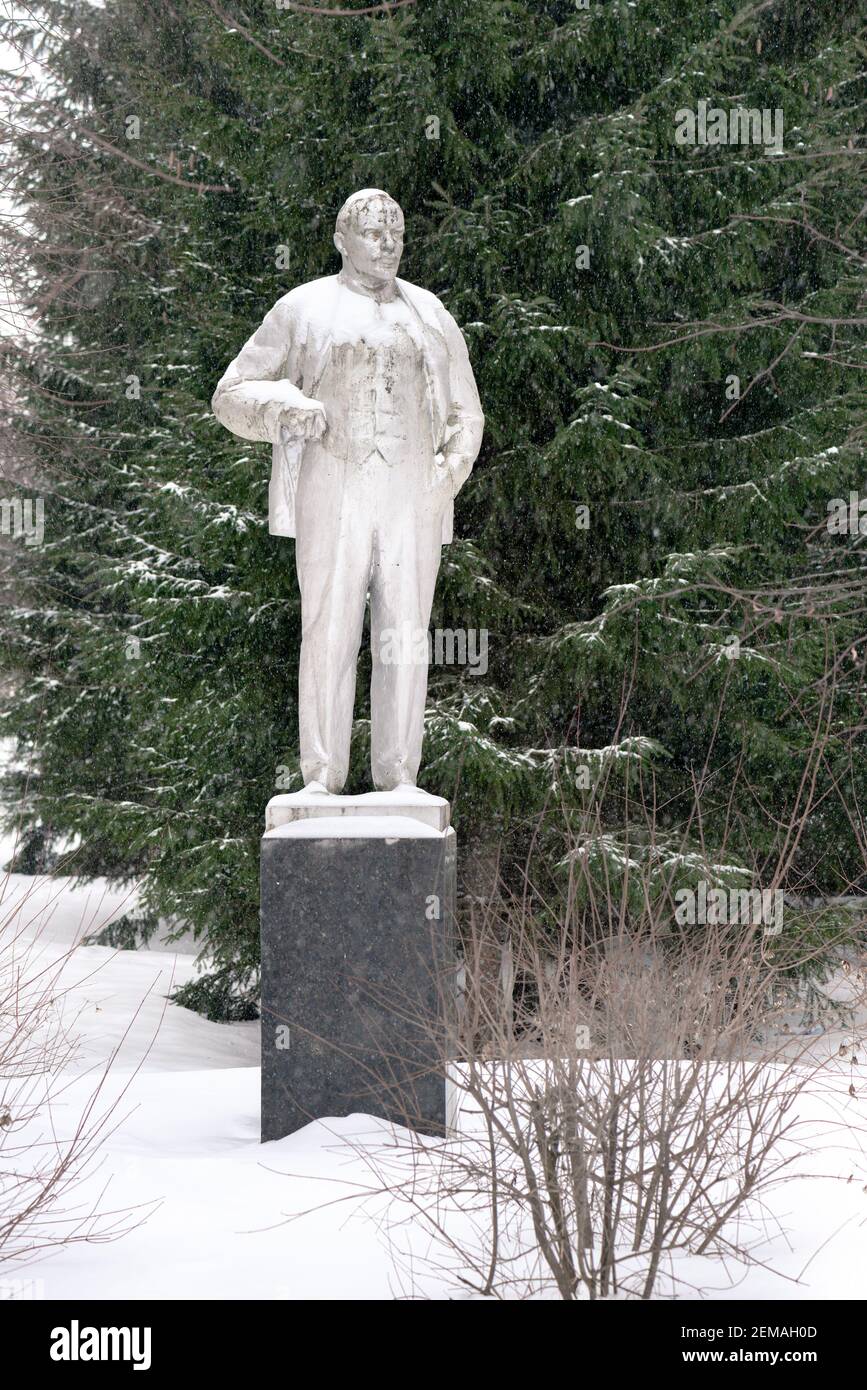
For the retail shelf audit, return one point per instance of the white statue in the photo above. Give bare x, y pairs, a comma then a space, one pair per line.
363, 385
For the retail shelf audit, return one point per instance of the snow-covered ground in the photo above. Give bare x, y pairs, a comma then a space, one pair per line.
212, 1213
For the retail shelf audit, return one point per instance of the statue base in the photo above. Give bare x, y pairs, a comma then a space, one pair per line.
357, 909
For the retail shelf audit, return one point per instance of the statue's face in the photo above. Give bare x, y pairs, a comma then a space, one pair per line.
373, 242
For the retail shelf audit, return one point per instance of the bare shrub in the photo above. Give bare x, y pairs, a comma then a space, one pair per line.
50, 1135
626, 1085
625, 1113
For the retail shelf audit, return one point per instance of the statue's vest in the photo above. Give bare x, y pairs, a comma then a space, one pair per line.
376, 400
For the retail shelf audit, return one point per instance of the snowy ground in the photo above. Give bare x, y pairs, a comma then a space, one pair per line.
211, 1209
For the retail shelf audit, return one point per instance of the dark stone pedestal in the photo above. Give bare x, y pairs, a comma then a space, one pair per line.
356, 966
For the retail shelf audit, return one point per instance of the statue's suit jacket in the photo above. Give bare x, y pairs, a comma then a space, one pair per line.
283, 363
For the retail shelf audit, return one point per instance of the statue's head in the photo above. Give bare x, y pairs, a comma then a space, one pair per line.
369, 234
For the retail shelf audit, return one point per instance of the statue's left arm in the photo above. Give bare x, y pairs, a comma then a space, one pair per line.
466, 421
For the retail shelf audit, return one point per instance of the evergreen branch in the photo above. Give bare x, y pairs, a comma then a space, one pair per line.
57, 140
703, 328
318, 10
804, 225
765, 372
251, 38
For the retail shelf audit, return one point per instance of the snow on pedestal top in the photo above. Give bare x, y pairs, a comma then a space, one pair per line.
293, 808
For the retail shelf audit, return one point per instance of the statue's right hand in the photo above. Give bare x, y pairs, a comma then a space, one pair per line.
304, 421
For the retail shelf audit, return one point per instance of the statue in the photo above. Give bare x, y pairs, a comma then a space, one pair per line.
363, 385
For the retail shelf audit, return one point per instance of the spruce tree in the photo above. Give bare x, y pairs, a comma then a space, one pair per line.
666, 339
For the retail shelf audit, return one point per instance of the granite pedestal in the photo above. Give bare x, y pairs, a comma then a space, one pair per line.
357, 912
